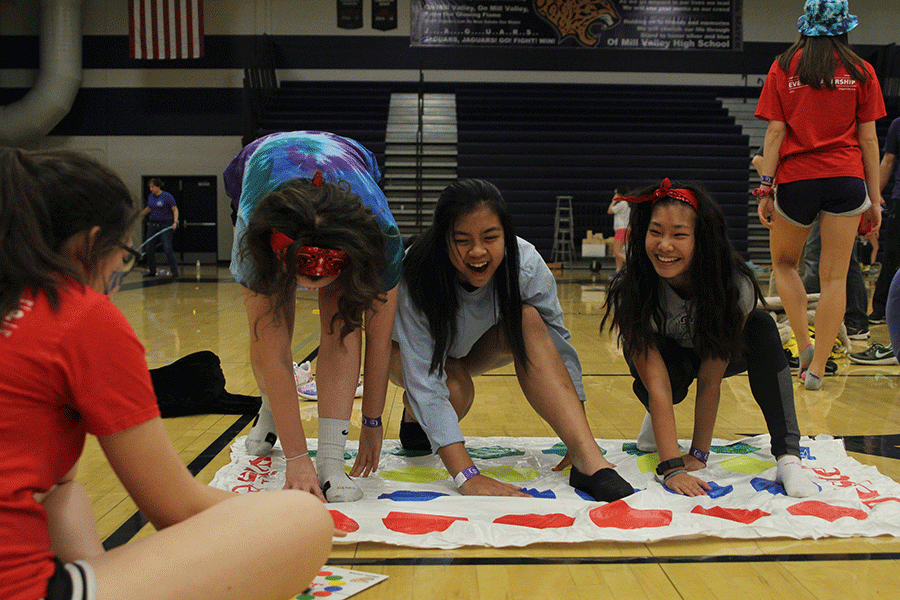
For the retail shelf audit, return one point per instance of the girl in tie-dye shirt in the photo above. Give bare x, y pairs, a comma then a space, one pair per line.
308, 212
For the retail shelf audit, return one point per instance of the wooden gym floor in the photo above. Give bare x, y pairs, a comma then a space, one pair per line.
203, 311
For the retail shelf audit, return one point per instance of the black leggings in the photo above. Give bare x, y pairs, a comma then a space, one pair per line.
766, 366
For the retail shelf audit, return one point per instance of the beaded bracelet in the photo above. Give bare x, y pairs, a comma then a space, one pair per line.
376, 422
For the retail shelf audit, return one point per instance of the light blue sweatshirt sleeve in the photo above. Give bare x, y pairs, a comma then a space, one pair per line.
427, 392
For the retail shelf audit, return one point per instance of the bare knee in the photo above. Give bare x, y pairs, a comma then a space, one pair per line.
304, 532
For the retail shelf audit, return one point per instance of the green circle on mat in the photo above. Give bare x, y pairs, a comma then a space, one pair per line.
510, 474
493, 452
334, 577
401, 451
739, 448
416, 474
305, 597
558, 449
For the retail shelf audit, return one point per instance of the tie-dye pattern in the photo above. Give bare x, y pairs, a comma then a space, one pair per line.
266, 164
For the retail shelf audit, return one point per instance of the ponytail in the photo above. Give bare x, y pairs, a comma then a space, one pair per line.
46, 198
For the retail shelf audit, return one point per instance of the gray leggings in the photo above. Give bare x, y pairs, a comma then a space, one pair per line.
767, 369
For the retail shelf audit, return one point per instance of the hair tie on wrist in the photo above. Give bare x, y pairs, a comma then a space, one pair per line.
763, 191
376, 422
298, 456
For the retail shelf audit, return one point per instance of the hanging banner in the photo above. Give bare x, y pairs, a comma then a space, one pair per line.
615, 24
349, 14
384, 14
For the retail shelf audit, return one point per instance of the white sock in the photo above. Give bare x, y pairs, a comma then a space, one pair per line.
263, 434
646, 441
336, 485
796, 482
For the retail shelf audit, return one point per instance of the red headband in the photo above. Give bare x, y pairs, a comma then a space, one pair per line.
665, 189
311, 261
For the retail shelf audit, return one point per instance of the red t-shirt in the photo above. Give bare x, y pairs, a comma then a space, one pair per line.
821, 139
79, 369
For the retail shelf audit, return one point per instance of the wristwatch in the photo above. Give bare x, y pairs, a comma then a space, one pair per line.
672, 463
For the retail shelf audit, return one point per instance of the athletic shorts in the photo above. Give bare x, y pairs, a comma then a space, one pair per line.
799, 202
72, 581
621, 235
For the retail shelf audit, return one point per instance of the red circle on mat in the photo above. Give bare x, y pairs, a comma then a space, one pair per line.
620, 515
535, 521
343, 523
418, 524
829, 512
732, 514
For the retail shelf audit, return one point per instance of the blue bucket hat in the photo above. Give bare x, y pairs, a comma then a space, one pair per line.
826, 18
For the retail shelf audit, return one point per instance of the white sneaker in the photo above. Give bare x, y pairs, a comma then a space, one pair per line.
308, 391
302, 374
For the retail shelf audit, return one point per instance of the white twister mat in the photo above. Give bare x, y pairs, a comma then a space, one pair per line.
412, 501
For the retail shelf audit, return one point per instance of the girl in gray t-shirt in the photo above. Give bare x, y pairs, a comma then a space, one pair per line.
684, 310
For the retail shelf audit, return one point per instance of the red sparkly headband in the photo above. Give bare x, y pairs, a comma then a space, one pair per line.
665, 189
311, 261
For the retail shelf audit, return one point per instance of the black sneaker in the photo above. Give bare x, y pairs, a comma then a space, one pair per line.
858, 333
793, 361
877, 354
831, 367
876, 318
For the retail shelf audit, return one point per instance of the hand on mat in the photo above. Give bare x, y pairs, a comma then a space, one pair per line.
369, 450
301, 475
565, 462
687, 485
765, 209
692, 464
482, 485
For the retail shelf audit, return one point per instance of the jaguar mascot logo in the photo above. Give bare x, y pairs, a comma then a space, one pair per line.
578, 18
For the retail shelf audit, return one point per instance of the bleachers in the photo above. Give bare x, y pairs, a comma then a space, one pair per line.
358, 110
537, 141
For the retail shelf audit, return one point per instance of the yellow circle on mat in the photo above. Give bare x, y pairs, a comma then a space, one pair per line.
746, 464
648, 462
416, 474
509, 474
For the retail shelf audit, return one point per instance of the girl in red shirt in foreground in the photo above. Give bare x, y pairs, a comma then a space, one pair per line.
70, 364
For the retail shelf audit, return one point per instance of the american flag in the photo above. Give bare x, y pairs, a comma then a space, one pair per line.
166, 28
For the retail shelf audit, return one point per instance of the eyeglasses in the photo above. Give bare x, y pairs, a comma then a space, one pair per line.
129, 261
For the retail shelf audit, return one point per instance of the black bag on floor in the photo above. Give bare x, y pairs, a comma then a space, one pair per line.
195, 385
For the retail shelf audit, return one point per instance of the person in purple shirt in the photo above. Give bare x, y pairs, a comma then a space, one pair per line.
163, 213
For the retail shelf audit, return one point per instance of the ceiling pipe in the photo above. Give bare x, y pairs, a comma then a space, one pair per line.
25, 121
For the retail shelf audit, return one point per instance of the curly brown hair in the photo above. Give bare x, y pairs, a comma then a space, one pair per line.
326, 216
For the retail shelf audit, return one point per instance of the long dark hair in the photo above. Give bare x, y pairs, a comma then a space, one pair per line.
633, 299
431, 277
818, 62
326, 216
46, 198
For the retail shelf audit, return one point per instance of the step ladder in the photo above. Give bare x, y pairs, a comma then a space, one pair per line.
563, 225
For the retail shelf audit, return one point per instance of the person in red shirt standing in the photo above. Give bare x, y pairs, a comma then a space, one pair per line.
70, 364
821, 149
